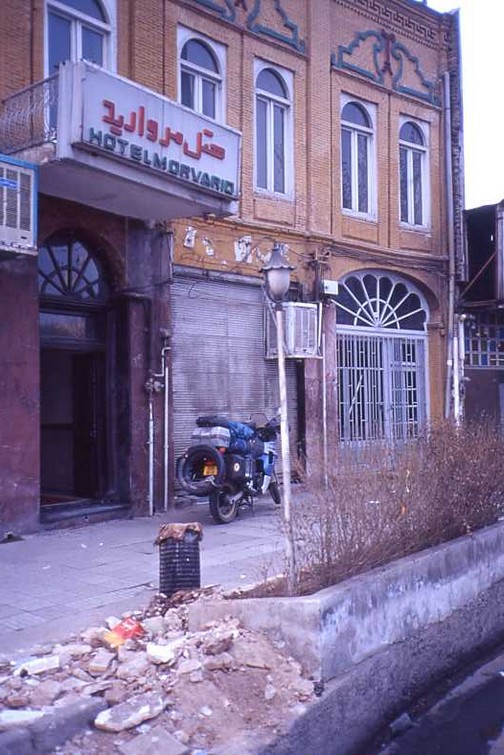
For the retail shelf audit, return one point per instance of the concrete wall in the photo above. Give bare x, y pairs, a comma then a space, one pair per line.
335, 629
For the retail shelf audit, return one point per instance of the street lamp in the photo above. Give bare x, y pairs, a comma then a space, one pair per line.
277, 278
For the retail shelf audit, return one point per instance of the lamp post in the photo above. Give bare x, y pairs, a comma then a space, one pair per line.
277, 278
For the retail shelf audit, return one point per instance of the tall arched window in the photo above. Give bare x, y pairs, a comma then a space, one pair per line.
357, 167
201, 72
413, 174
273, 143
382, 358
77, 30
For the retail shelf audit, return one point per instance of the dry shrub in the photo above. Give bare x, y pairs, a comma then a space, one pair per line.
386, 502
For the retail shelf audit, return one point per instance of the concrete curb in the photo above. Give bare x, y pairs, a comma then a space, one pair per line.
52, 730
332, 631
357, 706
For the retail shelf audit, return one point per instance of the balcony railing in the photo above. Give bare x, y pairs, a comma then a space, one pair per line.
28, 117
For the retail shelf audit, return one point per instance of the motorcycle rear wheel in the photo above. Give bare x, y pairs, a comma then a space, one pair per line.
223, 506
191, 470
274, 491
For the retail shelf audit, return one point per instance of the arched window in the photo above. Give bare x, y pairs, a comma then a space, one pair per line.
382, 358
201, 74
413, 174
273, 143
357, 167
77, 30
67, 269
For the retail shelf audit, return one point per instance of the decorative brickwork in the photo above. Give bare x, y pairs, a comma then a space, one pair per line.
394, 15
270, 22
388, 56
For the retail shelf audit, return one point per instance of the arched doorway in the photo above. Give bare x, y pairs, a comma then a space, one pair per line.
74, 310
381, 341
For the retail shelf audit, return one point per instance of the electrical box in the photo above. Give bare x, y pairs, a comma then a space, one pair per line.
18, 208
330, 288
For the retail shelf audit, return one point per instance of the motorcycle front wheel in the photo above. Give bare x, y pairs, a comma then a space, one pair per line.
223, 505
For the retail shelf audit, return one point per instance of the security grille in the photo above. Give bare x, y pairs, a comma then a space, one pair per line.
218, 357
484, 340
382, 362
381, 387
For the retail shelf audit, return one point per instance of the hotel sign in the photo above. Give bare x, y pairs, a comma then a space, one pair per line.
134, 125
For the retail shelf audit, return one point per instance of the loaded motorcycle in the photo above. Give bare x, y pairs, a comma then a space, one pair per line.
230, 462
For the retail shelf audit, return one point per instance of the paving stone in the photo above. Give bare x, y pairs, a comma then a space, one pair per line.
16, 742
38, 665
188, 665
134, 668
72, 650
11, 719
100, 662
154, 625
131, 713
46, 692
60, 724
154, 742
160, 653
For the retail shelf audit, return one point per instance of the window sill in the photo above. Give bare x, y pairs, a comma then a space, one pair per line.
415, 228
362, 216
272, 195
275, 207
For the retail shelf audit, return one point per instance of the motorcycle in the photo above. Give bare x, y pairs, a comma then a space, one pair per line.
232, 463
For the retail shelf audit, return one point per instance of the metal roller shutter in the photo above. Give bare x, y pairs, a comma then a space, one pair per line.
218, 357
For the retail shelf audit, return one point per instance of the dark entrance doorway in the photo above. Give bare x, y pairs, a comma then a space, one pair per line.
73, 373
73, 427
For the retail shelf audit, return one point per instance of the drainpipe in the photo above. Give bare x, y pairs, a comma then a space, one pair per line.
164, 358
150, 443
152, 386
451, 244
456, 372
324, 412
159, 381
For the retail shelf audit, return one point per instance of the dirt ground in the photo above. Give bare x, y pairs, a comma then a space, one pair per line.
221, 690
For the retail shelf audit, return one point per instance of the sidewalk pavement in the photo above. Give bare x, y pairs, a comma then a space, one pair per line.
63, 581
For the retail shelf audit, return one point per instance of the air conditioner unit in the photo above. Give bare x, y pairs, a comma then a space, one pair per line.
18, 208
302, 331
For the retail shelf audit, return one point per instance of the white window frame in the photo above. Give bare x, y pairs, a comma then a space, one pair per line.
424, 151
288, 105
383, 388
78, 20
184, 35
355, 130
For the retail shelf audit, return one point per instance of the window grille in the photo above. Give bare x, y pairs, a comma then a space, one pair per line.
381, 387
66, 268
484, 340
382, 358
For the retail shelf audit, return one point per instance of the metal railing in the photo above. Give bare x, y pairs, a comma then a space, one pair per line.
28, 117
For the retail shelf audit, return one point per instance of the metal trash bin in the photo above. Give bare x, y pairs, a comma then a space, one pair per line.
179, 557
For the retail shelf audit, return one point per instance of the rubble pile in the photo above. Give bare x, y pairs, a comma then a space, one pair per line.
222, 689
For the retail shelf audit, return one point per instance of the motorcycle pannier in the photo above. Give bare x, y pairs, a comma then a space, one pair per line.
218, 437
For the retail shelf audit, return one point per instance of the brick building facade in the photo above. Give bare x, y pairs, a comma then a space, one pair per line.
350, 119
